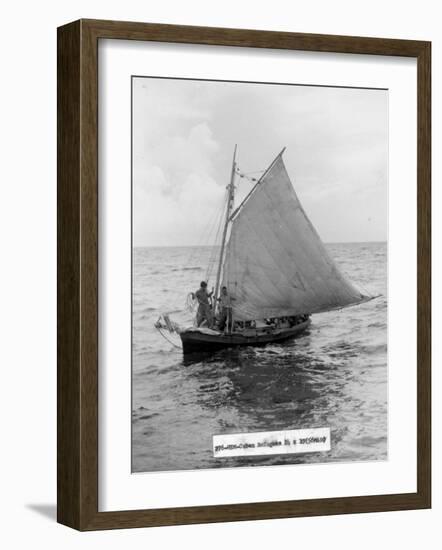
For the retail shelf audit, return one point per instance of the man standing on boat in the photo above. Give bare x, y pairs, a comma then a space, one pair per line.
204, 312
225, 306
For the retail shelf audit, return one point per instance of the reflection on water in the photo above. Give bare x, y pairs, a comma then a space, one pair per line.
334, 375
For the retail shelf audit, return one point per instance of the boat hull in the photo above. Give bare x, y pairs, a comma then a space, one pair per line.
195, 341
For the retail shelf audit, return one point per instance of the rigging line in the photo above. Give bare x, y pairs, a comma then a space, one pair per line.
216, 219
212, 259
248, 173
235, 212
219, 223
214, 254
207, 243
353, 304
211, 265
218, 216
361, 287
203, 240
170, 341
208, 228
251, 180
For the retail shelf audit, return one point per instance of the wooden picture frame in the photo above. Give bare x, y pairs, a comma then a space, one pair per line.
77, 226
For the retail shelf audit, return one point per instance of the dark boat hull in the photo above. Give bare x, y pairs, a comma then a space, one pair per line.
195, 341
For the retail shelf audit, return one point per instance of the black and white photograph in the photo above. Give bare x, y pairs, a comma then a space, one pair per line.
218, 272
259, 274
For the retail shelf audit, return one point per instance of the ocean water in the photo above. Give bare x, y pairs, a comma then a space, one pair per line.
333, 375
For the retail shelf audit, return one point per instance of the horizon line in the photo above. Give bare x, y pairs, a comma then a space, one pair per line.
212, 245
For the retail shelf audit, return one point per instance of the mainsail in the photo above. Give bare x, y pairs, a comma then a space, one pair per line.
275, 263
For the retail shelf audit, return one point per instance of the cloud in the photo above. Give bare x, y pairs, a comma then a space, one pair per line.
185, 131
175, 194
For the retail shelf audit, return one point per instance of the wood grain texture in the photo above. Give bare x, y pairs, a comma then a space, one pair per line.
252, 38
77, 226
68, 276
424, 273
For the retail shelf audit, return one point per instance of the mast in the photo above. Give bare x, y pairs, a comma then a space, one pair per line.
230, 198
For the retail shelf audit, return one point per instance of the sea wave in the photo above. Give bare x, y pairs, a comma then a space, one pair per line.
334, 375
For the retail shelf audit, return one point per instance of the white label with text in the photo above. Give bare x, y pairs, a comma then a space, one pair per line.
272, 443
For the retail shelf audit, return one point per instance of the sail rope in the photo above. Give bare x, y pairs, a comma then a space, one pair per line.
248, 175
168, 339
213, 259
195, 254
196, 257
217, 224
214, 252
206, 237
190, 303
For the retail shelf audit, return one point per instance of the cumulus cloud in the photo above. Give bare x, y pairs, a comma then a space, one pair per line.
175, 192
183, 137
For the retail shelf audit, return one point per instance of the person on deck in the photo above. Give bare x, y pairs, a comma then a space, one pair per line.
225, 304
204, 312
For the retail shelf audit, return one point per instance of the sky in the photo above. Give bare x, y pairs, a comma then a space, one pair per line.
184, 133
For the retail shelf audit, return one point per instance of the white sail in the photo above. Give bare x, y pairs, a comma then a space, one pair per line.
276, 264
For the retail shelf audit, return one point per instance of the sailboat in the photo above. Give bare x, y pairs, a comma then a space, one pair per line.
274, 266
